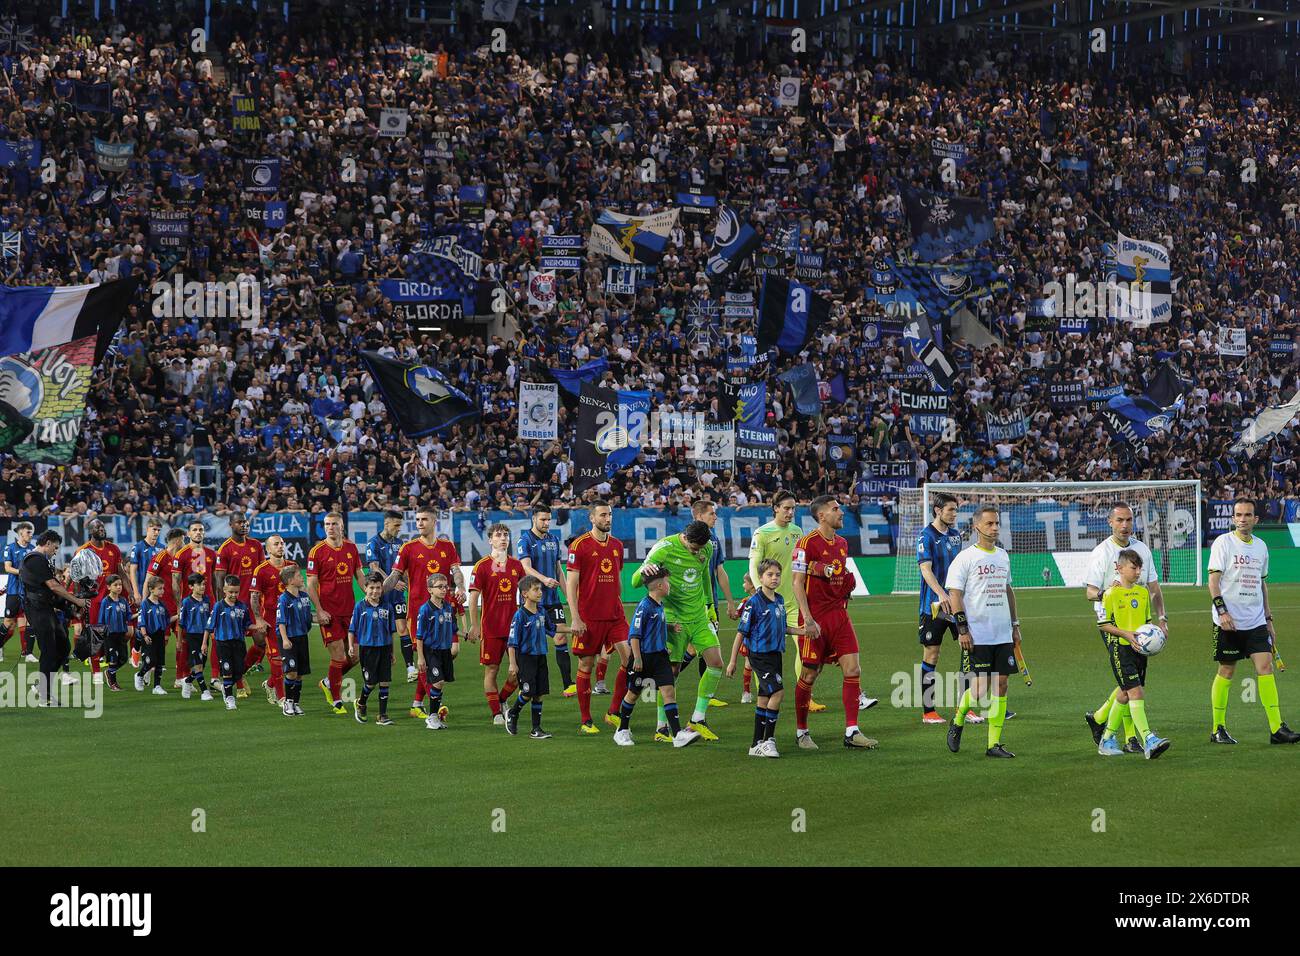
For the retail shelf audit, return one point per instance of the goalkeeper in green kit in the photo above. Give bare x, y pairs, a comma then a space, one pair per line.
689, 602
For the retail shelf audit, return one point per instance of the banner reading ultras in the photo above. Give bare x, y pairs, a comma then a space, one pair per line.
49, 387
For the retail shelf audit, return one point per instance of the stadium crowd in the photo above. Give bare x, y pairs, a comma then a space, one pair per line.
528, 124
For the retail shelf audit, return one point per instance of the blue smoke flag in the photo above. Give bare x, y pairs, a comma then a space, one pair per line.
571, 379
734, 241
943, 226
789, 314
802, 380
421, 399
331, 413
839, 392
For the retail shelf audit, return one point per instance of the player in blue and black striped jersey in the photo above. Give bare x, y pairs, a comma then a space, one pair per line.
114, 617
224, 635
370, 640
649, 664
381, 554
526, 646
436, 647
193, 613
541, 552
936, 546
764, 626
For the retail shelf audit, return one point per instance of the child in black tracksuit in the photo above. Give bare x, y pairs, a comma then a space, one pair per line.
115, 620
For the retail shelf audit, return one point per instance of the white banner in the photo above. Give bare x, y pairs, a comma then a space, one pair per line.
539, 412
620, 280
1232, 342
392, 122
715, 446
787, 90
623, 246
541, 290
1257, 431
1144, 282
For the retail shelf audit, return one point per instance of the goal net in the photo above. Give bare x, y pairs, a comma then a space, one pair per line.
1049, 529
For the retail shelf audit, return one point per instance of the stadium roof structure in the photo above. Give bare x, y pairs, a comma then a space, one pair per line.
1130, 27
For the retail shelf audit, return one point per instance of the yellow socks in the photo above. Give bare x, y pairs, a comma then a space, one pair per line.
1268, 697
1219, 699
1138, 710
997, 717
1102, 713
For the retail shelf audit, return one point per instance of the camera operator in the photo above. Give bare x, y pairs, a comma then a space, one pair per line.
43, 595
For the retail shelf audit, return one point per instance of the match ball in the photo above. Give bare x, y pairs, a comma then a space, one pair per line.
1149, 640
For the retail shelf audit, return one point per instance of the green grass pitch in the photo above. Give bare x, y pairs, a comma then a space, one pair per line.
320, 789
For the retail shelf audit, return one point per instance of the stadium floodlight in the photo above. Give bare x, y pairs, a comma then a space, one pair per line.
1049, 528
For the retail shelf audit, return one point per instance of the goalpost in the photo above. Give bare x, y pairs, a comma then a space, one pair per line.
1049, 528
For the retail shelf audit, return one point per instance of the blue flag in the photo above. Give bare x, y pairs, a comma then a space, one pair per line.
789, 314
802, 380
734, 241
633, 408
571, 379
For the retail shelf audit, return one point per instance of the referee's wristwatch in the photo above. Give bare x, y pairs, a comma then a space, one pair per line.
1015, 623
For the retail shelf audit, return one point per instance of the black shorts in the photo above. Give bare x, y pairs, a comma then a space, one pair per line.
194, 645
1232, 646
656, 671
990, 659
554, 618
767, 670
931, 630
439, 665
230, 658
534, 675
377, 664
296, 655
1128, 666
396, 601
13, 606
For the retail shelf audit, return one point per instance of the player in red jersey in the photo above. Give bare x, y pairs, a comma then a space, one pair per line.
594, 590
110, 555
195, 557
823, 582
264, 601
332, 566
240, 555
162, 567
493, 590
420, 557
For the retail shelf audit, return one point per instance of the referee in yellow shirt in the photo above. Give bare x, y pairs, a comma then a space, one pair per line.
1127, 607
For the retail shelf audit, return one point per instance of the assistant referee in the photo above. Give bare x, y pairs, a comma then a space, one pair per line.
43, 591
